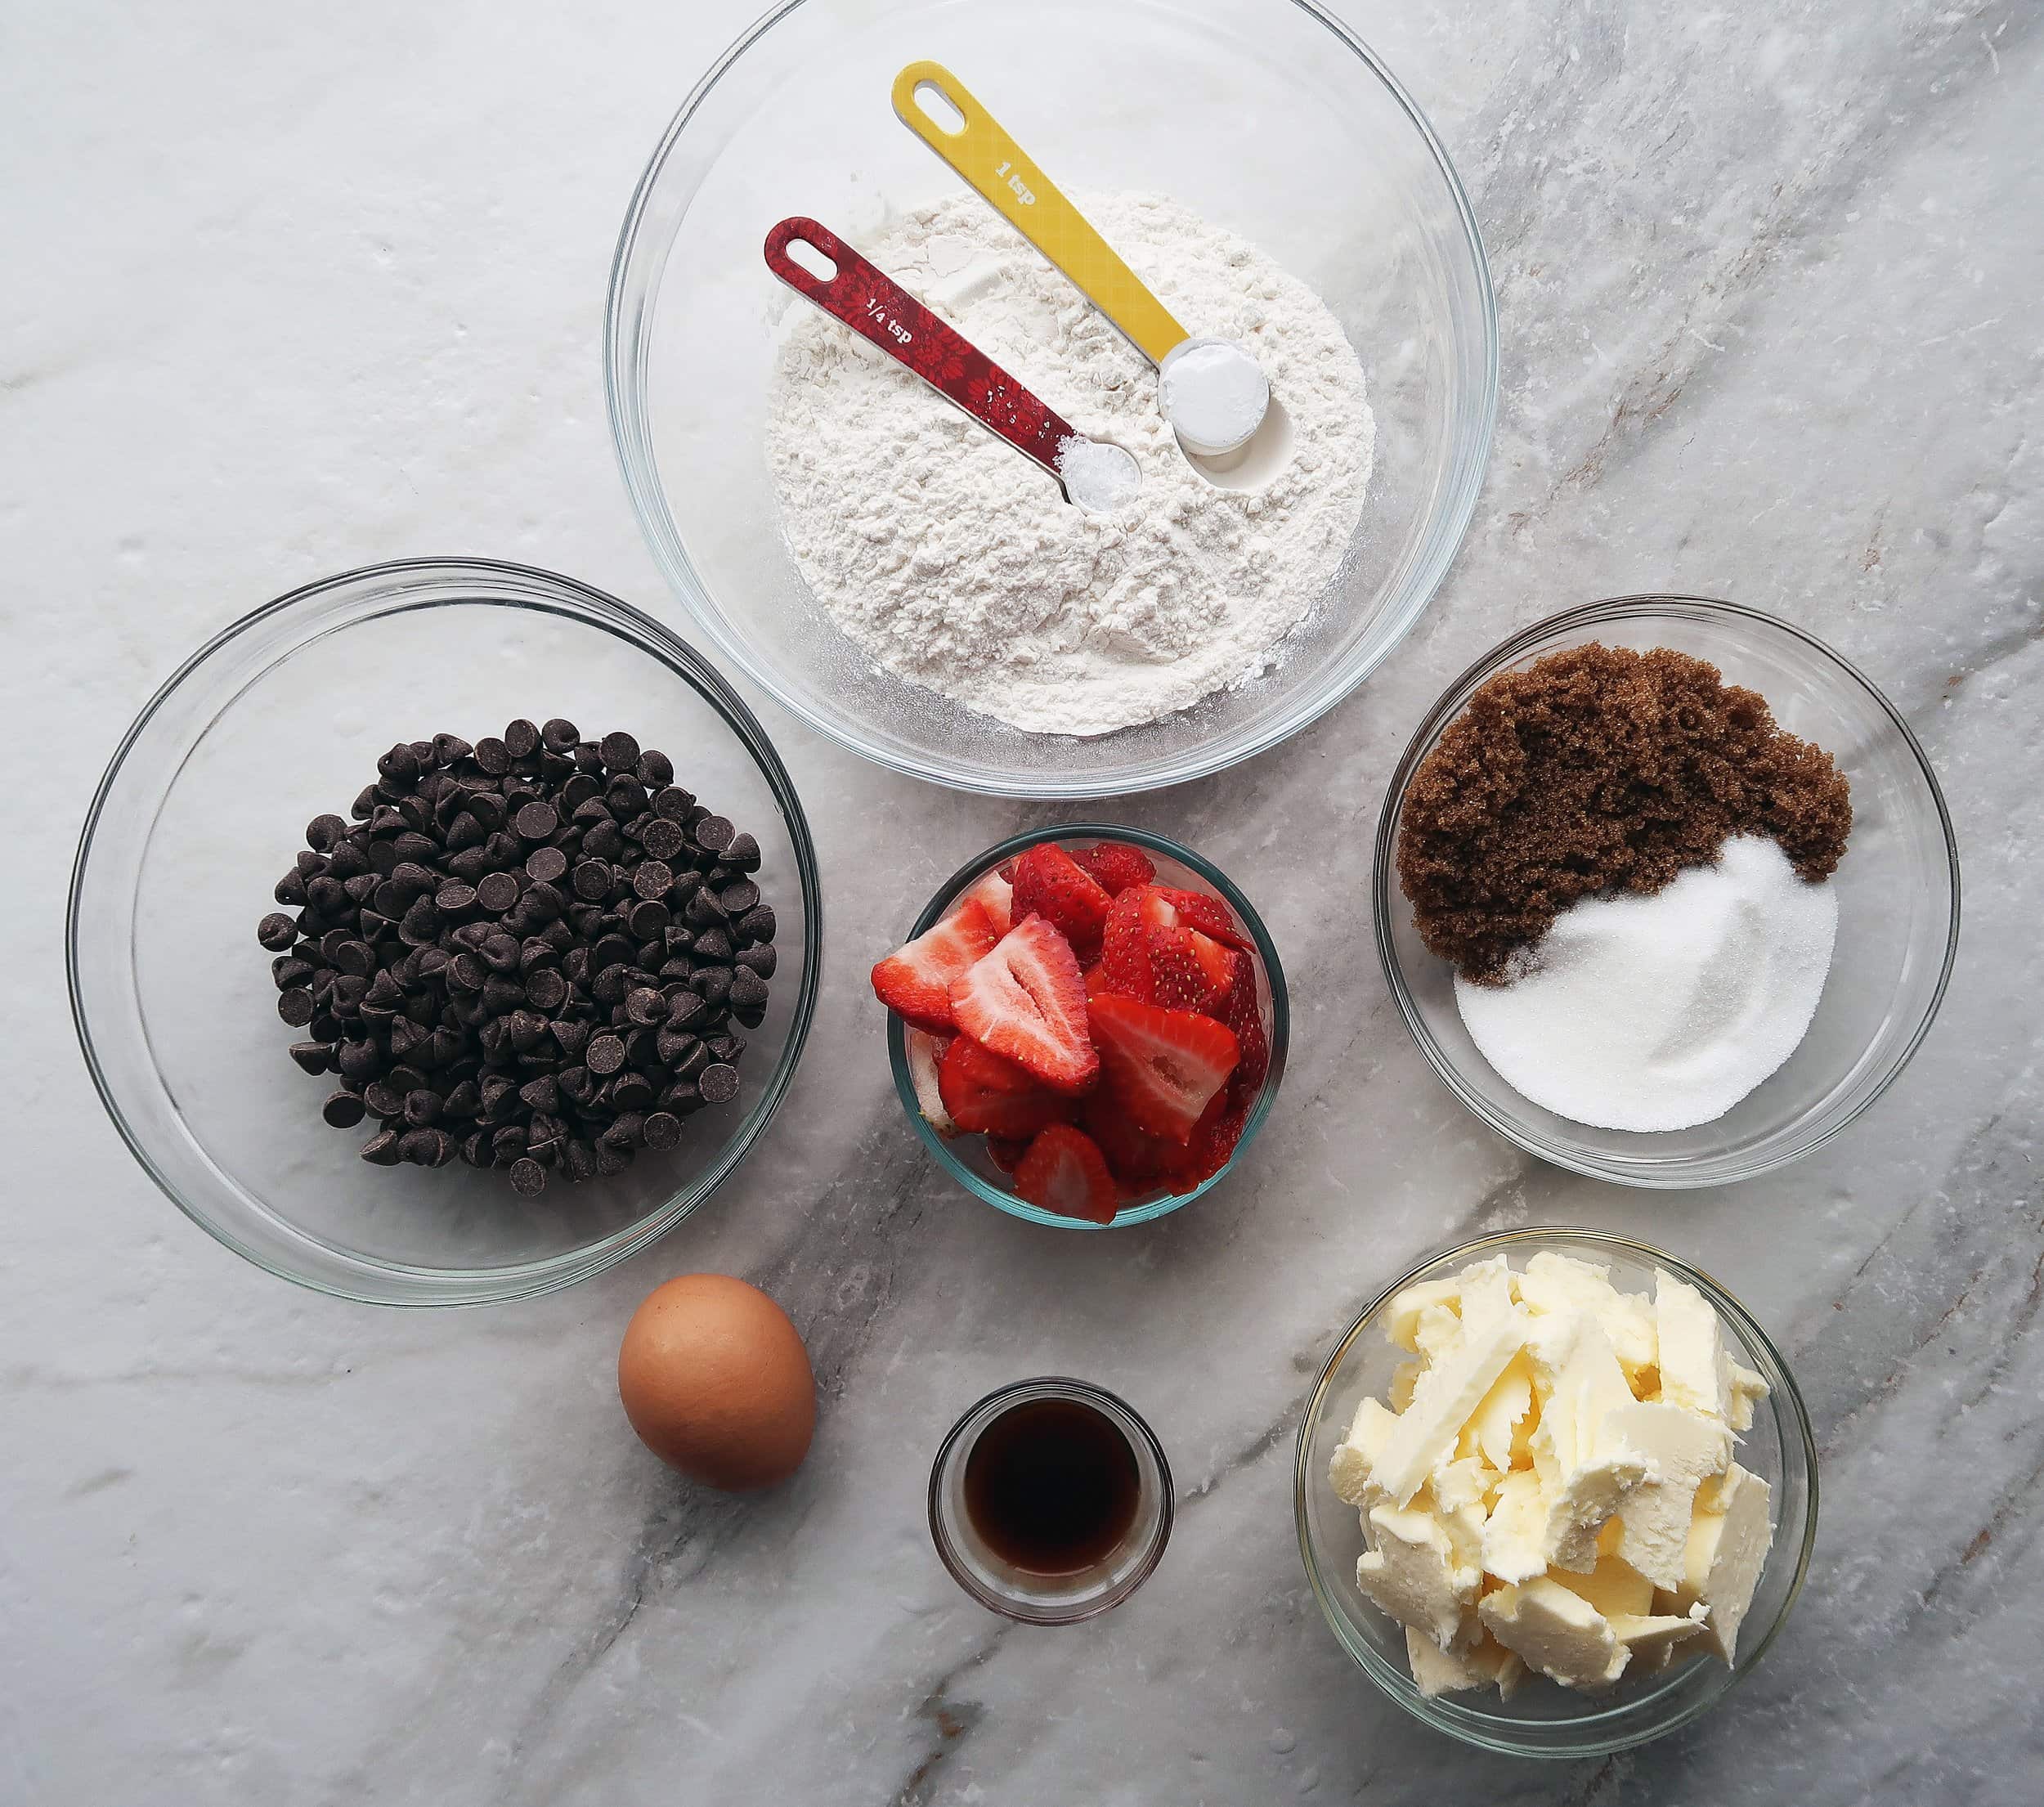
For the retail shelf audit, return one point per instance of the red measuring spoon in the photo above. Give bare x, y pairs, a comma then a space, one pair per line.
877, 307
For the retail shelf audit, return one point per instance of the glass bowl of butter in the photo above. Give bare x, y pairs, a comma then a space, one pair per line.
1556, 1492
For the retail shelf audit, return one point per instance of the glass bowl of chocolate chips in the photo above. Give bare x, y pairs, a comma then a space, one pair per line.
442, 933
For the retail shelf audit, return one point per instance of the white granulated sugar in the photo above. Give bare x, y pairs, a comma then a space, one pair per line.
1661, 1012
952, 561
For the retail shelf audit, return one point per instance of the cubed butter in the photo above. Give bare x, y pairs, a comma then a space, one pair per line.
1349, 1468
1410, 1572
1442, 1399
1557, 1632
1685, 1450
1696, 1367
1727, 1551
1550, 1484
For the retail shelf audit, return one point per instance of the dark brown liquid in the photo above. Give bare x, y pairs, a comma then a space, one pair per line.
1052, 1486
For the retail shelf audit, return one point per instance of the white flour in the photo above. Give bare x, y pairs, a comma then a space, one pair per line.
953, 561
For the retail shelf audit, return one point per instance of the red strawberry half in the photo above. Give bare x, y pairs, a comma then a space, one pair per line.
1212, 1140
1208, 914
994, 895
914, 981
1124, 961
1065, 1172
1115, 866
1049, 884
1239, 1010
1026, 1000
1163, 1065
1138, 1160
983, 1093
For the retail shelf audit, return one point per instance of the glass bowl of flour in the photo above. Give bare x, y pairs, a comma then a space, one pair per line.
1893, 899
916, 590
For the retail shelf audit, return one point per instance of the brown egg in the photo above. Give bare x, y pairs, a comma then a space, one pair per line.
716, 1382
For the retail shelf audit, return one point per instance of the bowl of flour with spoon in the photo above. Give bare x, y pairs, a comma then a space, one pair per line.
956, 566
889, 572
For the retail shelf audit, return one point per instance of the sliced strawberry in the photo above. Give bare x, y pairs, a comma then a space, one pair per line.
1125, 941
926, 1055
1138, 1159
1026, 999
986, 1094
1065, 1172
1006, 1152
1219, 965
1178, 980
1096, 980
1049, 884
914, 981
1239, 1010
1212, 1140
994, 895
1115, 866
1164, 1065
1208, 914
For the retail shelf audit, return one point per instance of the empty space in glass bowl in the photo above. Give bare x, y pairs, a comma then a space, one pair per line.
1263, 118
1897, 889
285, 720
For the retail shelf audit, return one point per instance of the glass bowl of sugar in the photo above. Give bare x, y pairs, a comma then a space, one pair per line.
1895, 892
919, 591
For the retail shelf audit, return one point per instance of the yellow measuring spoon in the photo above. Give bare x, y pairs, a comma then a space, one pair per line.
1212, 389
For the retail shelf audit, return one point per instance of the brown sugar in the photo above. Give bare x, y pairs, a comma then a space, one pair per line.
1599, 768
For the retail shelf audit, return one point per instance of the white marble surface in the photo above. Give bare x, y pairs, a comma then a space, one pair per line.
291, 288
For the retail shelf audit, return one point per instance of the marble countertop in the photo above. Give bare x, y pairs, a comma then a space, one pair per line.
289, 291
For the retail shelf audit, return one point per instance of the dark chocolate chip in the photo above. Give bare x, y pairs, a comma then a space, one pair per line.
662, 839
718, 1083
295, 1006
276, 931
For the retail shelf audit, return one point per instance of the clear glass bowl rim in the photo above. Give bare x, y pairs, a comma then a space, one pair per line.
406, 1284
1506, 1242
635, 277
1280, 1023
1384, 879
1116, 1409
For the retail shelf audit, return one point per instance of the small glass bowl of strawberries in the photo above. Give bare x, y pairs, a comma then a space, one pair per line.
1088, 1026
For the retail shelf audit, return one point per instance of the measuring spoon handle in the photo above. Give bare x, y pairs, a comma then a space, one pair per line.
883, 313
993, 163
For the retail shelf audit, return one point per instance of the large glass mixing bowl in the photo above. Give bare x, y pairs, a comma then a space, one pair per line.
280, 719
1266, 117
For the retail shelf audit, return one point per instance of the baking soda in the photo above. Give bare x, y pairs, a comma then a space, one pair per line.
1661, 1012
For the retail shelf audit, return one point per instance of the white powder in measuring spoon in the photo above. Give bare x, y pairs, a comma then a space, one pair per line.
951, 561
1097, 476
1662, 1011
